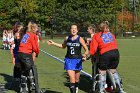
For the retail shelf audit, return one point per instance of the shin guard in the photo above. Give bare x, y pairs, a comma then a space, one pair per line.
31, 79
23, 85
72, 88
102, 82
118, 80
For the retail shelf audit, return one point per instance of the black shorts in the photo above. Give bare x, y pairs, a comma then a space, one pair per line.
26, 62
95, 58
109, 60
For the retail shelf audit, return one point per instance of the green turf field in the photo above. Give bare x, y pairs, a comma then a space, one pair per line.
53, 79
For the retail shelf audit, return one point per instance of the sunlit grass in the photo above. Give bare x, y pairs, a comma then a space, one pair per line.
53, 78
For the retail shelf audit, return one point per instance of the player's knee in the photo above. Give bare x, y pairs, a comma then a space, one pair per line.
102, 72
102, 66
113, 70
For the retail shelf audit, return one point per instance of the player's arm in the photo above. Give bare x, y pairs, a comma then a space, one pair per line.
63, 45
35, 45
40, 37
93, 46
85, 48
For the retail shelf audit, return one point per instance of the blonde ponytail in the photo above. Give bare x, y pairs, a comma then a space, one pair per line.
31, 25
103, 25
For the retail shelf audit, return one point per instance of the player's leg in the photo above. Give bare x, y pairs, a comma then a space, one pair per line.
17, 73
34, 80
23, 84
8, 43
113, 67
110, 82
118, 80
23, 79
102, 80
12, 54
102, 68
4, 42
31, 79
95, 75
26, 64
77, 77
17, 68
71, 74
73, 67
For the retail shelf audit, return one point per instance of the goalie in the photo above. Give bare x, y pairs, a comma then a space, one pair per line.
106, 43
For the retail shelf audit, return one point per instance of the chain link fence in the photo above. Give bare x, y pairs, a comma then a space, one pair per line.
85, 35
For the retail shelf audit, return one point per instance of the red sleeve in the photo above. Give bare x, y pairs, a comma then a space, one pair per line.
35, 44
93, 46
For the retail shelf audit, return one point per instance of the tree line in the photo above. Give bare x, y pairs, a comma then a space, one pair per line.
54, 16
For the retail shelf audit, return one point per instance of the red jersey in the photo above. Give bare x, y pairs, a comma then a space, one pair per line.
29, 44
103, 41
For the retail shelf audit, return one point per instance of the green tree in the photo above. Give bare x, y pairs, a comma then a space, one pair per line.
57, 15
5, 13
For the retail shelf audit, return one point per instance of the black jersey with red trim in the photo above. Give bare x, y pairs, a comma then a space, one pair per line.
73, 48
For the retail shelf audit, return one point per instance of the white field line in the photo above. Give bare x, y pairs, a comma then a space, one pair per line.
59, 60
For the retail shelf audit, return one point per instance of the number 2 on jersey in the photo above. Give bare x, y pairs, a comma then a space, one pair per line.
72, 50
